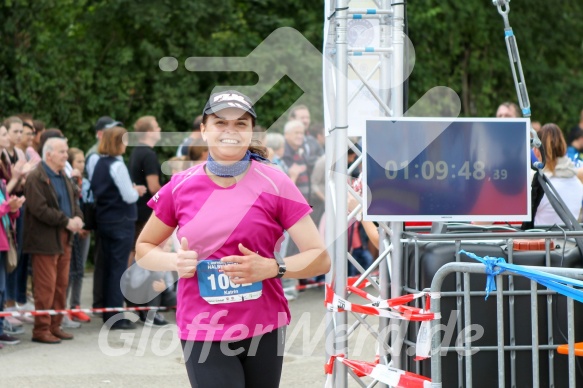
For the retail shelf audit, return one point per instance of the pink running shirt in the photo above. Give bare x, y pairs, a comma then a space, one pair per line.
254, 212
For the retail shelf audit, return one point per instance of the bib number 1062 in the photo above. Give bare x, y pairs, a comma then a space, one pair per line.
223, 282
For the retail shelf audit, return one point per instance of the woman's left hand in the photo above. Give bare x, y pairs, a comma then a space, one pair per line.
248, 268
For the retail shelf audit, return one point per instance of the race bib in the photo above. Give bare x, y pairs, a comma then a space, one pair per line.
216, 287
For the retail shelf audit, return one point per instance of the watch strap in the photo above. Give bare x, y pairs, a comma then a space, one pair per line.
281, 268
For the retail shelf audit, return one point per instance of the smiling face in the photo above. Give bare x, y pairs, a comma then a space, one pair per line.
228, 134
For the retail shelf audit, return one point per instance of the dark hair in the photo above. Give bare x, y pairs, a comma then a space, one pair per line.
196, 123
255, 147
554, 144
46, 135
316, 129
38, 125
112, 141
196, 149
292, 112
576, 135
512, 105
73, 152
25, 116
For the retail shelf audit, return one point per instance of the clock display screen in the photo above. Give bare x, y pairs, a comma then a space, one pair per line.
438, 170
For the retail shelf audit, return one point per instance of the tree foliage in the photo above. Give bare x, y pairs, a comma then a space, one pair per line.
70, 61
460, 44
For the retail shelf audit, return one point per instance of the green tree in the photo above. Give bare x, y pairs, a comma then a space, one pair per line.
71, 61
461, 45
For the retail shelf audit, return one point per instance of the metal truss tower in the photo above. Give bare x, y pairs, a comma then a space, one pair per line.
383, 84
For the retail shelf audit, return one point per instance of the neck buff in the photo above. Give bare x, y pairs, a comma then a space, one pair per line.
231, 170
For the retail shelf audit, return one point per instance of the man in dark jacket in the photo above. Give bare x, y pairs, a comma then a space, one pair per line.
52, 217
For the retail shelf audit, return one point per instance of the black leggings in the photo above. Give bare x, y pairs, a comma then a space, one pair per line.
253, 362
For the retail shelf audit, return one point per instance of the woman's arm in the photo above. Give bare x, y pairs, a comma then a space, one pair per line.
17, 176
121, 176
313, 259
372, 232
150, 252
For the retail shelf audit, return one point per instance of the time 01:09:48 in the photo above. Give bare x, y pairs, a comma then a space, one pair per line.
441, 171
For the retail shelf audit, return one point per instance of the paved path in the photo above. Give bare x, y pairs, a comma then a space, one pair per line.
151, 357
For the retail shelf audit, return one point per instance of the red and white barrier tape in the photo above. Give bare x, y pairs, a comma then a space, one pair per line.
32, 313
395, 378
397, 307
350, 281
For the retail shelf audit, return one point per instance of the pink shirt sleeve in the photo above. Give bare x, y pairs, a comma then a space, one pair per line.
163, 205
292, 204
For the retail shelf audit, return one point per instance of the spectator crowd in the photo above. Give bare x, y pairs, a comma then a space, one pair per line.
56, 200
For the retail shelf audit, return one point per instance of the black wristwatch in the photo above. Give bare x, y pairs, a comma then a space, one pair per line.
281, 268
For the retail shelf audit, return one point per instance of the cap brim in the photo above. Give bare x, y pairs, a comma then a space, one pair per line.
220, 106
114, 124
109, 125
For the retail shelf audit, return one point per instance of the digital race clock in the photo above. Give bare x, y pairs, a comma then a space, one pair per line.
436, 169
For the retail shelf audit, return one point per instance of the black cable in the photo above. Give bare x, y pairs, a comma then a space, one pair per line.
336, 10
335, 128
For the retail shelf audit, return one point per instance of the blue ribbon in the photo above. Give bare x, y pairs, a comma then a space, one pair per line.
491, 272
559, 284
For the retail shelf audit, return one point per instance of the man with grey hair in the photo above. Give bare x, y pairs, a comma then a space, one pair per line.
52, 218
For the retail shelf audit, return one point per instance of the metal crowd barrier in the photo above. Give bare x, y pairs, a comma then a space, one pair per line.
511, 294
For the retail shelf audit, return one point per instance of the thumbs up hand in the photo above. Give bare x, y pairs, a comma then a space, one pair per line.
186, 261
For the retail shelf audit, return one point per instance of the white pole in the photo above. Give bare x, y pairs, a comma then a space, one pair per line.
385, 86
397, 79
340, 180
